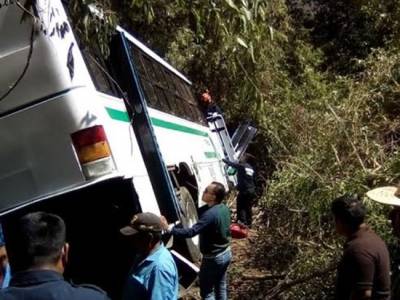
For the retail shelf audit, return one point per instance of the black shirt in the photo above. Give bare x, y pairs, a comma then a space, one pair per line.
47, 285
245, 177
365, 264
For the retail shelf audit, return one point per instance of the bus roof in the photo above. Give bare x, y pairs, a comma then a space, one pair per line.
153, 55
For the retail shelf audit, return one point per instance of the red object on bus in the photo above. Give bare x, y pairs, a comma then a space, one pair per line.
239, 231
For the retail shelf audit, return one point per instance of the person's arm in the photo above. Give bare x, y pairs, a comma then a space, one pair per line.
205, 220
363, 267
232, 164
162, 285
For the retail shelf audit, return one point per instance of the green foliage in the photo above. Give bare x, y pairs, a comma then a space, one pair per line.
349, 30
94, 23
322, 85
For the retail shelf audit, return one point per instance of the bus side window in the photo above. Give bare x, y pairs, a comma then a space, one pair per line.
97, 69
159, 76
151, 97
151, 75
180, 104
189, 94
172, 83
162, 99
182, 89
138, 62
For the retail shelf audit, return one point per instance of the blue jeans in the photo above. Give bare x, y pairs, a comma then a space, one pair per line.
213, 281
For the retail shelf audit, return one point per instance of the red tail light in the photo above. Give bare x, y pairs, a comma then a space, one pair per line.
93, 151
88, 136
91, 144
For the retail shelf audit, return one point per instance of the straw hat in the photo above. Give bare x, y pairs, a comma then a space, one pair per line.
386, 195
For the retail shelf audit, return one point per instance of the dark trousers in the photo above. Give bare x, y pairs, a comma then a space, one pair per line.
244, 203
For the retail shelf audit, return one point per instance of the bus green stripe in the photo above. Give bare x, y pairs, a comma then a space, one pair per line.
210, 154
123, 116
177, 127
118, 114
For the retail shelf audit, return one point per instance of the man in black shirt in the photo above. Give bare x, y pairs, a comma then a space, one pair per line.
38, 255
246, 188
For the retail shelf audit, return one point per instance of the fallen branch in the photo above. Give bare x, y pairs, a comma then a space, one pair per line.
247, 276
285, 284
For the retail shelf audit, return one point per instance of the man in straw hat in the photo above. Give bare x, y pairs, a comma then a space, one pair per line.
391, 195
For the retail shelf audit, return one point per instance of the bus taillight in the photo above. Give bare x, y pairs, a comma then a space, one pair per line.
93, 151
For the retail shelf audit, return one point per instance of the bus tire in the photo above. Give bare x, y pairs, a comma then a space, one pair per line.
188, 219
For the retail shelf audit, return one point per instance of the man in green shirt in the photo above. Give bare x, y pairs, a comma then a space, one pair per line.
215, 239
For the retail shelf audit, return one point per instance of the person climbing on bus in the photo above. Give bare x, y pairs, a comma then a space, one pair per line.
215, 239
246, 188
210, 107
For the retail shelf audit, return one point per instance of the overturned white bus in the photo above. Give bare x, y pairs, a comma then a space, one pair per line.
97, 140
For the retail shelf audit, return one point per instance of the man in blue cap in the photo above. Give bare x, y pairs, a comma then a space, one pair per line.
154, 275
5, 274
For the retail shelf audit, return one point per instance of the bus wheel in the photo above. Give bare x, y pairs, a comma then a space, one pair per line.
188, 219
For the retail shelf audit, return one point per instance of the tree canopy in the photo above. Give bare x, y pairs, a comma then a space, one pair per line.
320, 79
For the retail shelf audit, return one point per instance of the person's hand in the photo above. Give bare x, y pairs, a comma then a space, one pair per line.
164, 223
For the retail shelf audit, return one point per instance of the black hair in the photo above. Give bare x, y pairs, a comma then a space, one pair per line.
349, 209
36, 239
219, 191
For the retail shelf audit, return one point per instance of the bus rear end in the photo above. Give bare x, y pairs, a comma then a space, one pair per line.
58, 144
53, 131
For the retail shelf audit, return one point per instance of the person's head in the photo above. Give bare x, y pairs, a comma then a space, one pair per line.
214, 193
349, 213
389, 195
144, 232
205, 98
38, 242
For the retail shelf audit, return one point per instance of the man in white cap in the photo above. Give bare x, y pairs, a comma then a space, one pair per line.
389, 195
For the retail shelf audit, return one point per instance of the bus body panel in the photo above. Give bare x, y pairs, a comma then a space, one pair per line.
56, 63
37, 157
184, 141
179, 141
125, 150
